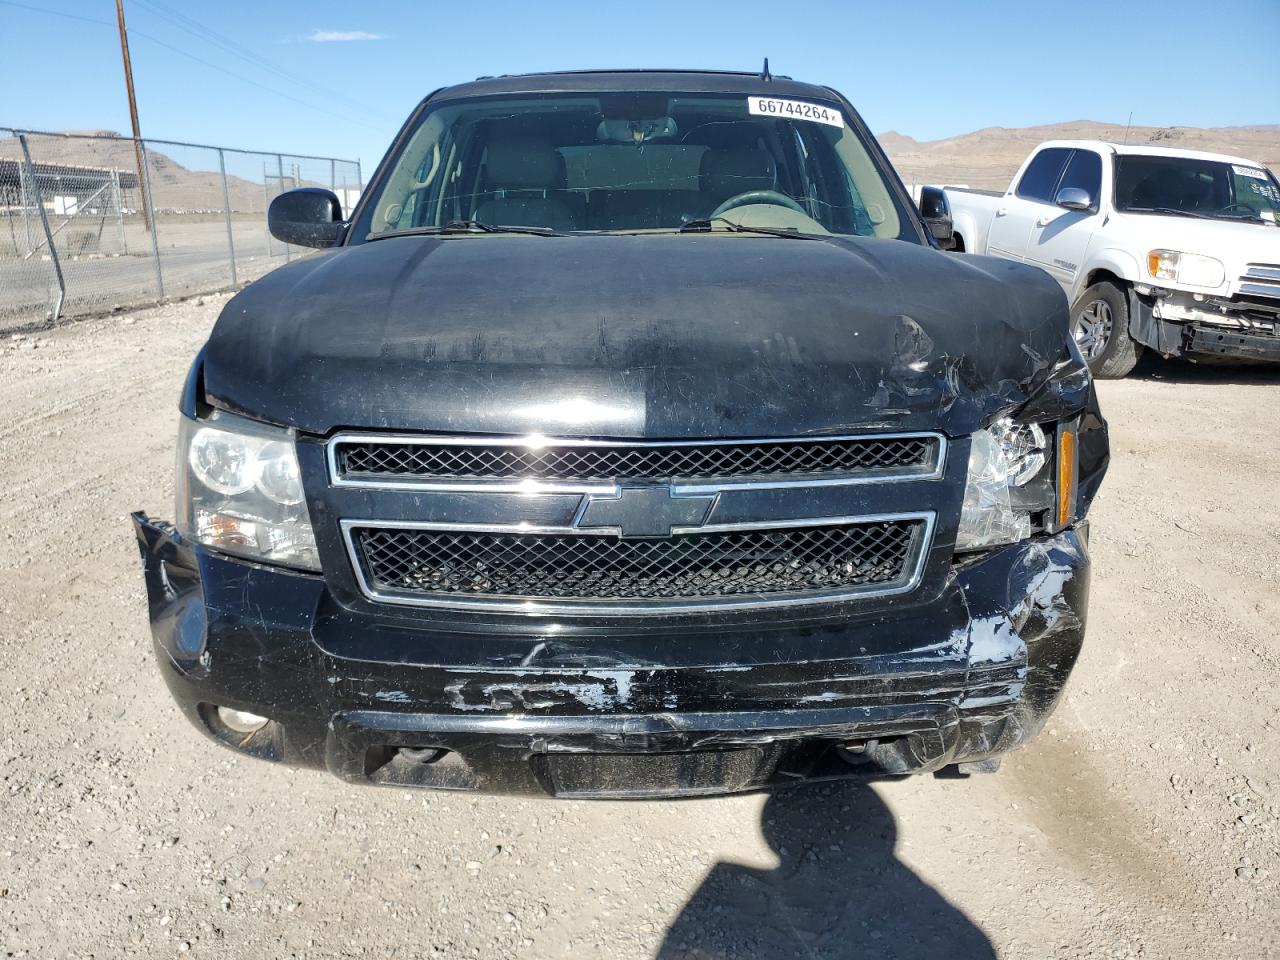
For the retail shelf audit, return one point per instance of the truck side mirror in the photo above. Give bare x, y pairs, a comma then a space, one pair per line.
936, 212
1074, 198
306, 217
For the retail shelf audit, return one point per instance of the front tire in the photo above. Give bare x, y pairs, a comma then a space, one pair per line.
1100, 326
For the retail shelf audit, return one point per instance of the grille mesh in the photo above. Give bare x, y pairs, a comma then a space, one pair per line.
373, 459
606, 568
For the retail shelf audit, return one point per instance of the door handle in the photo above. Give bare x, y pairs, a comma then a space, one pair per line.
1045, 219
1001, 211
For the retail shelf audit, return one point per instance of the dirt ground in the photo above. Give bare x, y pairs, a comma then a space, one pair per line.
1144, 823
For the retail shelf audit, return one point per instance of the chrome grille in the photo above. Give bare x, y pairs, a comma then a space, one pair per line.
1261, 280
372, 459
804, 561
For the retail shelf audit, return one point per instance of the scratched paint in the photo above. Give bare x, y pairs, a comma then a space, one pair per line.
992, 639
611, 692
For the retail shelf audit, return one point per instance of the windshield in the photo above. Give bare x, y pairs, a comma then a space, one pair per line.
634, 162
1207, 188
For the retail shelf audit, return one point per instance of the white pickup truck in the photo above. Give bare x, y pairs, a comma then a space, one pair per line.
1155, 247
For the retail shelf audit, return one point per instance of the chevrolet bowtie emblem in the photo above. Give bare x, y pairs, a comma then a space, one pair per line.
643, 511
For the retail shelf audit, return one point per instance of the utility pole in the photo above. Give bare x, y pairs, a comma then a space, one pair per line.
133, 115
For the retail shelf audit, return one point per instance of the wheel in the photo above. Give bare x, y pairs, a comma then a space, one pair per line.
1100, 325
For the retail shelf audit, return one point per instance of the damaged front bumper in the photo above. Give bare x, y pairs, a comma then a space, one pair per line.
1197, 327
1252, 345
964, 675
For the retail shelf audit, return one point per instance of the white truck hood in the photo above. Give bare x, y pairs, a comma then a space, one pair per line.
1237, 245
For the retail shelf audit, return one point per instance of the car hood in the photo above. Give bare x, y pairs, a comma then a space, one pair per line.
648, 336
1235, 244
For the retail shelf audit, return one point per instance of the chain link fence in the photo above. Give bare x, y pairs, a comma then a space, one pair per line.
91, 223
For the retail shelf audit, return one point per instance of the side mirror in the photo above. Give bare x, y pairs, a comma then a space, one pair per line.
936, 212
1074, 198
306, 217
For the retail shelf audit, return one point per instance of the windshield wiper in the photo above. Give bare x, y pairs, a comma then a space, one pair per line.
466, 226
705, 225
475, 226
1245, 217
1242, 218
1173, 212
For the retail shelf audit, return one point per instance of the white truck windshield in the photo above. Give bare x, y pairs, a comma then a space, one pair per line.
1194, 187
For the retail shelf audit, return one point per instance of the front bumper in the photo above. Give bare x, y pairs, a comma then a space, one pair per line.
1201, 340
1178, 323
965, 674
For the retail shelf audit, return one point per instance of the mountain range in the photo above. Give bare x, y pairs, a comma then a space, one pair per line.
187, 178
988, 158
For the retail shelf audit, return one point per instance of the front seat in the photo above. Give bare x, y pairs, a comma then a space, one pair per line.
520, 171
1164, 188
729, 171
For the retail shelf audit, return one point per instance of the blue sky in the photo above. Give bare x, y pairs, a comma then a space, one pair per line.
337, 78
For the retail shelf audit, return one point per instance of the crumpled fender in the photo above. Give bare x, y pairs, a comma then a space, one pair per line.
1069, 391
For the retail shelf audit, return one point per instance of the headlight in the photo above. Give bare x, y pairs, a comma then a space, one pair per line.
1190, 268
1002, 458
240, 491
1023, 447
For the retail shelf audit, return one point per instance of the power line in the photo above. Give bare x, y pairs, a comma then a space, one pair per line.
253, 83
55, 13
192, 56
238, 50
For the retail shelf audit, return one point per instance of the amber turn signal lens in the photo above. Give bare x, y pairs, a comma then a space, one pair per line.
1066, 476
221, 530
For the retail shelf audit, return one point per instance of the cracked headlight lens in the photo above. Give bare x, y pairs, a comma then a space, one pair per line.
239, 491
1023, 446
1002, 458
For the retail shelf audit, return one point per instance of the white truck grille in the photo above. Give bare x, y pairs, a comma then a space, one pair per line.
1261, 280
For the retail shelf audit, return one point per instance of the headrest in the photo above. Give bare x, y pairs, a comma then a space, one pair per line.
522, 162
733, 170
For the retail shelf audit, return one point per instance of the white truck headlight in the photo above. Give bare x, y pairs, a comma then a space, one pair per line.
1192, 269
239, 491
1003, 457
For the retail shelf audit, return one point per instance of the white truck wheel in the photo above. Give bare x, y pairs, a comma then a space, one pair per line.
1100, 325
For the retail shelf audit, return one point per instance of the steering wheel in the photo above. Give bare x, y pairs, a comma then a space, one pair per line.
757, 196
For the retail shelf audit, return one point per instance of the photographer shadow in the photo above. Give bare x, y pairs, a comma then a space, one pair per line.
838, 892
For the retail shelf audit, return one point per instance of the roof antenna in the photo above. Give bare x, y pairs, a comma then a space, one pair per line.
765, 75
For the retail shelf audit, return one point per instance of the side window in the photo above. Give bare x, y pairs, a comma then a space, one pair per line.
1041, 176
1084, 170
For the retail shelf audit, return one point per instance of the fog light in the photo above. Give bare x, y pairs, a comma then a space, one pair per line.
241, 721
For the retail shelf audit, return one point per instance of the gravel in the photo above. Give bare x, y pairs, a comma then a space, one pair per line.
1145, 822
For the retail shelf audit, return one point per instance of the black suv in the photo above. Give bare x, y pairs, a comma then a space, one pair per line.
632, 437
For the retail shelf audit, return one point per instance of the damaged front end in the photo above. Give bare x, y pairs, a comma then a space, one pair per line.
1242, 328
429, 676
739, 560
966, 676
